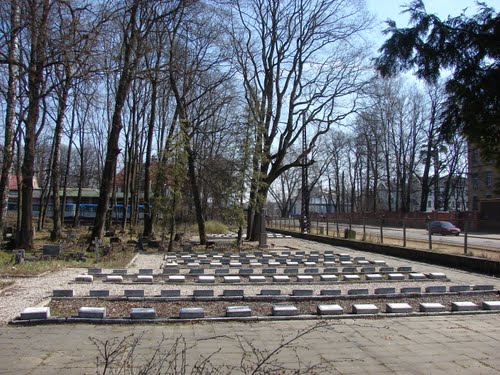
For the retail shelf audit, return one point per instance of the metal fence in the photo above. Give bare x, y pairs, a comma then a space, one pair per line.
402, 232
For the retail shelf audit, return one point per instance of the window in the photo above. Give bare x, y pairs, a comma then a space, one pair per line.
475, 181
489, 178
475, 203
475, 155
429, 204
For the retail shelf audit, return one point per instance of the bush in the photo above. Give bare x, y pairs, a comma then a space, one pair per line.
131, 355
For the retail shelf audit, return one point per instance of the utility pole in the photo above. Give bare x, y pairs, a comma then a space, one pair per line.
304, 217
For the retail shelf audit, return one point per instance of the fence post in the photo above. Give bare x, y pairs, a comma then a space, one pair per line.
327, 226
404, 232
364, 227
430, 235
382, 229
466, 224
337, 221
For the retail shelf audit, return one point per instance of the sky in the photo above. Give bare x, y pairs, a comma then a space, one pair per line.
384, 9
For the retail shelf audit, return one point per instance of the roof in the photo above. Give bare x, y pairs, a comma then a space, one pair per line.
13, 182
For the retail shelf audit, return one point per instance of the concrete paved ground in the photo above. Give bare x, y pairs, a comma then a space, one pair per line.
466, 344
447, 344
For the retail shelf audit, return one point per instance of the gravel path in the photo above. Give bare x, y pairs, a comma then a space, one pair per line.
32, 291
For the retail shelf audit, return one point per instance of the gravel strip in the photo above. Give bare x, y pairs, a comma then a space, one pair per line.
116, 309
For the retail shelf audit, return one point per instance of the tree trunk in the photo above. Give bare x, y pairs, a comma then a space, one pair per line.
35, 81
148, 214
113, 150
63, 101
9, 114
195, 189
425, 177
68, 159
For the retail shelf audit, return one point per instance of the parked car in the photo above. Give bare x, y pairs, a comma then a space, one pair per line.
444, 228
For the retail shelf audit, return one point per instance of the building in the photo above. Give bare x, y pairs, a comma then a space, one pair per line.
484, 191
455, 198
484, 180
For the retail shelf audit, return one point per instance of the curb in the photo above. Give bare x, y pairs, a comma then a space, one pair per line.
123, 321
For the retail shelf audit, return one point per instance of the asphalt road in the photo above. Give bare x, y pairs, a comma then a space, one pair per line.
478, 240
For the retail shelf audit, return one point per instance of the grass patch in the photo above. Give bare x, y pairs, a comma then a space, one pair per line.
212, 226
117, 259
31, 268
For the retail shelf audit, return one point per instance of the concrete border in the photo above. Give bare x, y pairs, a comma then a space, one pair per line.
262, 318
480, 265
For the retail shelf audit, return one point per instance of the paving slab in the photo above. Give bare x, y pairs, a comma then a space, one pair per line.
435, 289
99, 293
92, 312
144, 279
374, 277
437, 275
176, 278
330, 309
257, 279
206, 279
459, 288
491, 305
203, 293
385, 290
238, 311
464, 306
63, 293
398, 308
483, 287
305, 278
84, 278
30, 313
170, 293
191, 313
284, 310
114, 278
302, 292
133, 292
330, 292
431, 307
281, 278
328, 277
364, 308
417, 276
351, 277
232, 279
233, 292
142, 313
396, 276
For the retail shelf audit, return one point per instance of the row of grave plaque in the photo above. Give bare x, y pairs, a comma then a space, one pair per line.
43, 313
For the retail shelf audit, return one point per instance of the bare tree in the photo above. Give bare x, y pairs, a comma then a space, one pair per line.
139, 17
12, 57
298, 62
195, 61
38, 30
434, 94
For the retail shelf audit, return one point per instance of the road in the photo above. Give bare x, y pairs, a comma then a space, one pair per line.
474, 240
